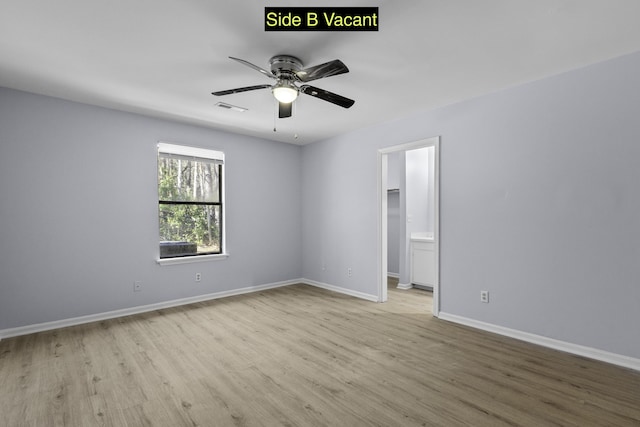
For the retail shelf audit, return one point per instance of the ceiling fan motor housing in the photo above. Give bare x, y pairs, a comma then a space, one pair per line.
285, 66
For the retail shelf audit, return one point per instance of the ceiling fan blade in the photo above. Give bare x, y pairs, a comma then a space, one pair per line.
255, 67
325, 95
284, 110
240, 89
327, 69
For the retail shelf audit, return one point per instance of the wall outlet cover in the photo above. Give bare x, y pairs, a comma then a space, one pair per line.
484, 296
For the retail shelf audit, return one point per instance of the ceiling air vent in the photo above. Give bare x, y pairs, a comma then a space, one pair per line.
231, 107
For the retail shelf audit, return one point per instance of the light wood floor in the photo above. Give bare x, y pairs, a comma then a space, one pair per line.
302, 356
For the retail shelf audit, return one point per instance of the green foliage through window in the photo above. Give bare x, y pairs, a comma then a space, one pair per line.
190, 205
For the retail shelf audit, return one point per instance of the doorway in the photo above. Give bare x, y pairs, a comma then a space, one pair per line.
383, 178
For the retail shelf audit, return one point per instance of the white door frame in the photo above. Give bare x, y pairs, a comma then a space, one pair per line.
382, 214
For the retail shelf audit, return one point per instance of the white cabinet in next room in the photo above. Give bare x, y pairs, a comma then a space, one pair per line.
423, 262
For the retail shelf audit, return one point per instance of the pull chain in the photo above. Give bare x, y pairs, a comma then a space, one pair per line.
274, 117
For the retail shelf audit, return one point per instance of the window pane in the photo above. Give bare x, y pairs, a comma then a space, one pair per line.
189, 230
188, 180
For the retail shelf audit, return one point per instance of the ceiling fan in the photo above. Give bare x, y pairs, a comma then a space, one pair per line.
287, 70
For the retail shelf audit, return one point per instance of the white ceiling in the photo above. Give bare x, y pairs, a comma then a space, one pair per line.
164, 57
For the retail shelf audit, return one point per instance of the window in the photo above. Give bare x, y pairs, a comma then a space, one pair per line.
190, 201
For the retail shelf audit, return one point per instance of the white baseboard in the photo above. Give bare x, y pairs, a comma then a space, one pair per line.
592, 353
357, 294
404, 286
30, 329
394, 275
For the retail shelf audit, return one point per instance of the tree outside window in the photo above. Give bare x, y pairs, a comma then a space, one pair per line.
189, 201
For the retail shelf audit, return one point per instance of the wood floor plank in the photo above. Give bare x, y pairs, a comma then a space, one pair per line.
303, 356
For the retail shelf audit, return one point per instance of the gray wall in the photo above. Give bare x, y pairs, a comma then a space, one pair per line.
394, 212
78, 212
393, 233
539, 205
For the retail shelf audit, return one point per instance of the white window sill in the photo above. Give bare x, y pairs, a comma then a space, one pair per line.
191, 259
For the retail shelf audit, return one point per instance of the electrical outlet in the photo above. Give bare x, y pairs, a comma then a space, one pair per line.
137, 286
349, 272
198, 277
484, 296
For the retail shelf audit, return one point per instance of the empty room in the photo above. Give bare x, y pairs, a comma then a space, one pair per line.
391, 213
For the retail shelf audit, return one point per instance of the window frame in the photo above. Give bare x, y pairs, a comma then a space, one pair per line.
197, 154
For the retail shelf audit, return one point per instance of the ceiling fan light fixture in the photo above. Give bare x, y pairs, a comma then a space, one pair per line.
285, 92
